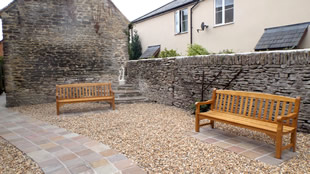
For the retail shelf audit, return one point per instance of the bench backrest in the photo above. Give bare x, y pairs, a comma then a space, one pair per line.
265, 107
83, 90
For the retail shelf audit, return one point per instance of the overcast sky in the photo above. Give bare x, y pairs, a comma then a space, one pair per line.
132, 9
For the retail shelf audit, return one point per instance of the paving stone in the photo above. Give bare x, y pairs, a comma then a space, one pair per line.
248, 145
31, 149
286, 155
71, 135
236, 149
265, 149
200, 136
221, 137
99, 163
80, 169
109, 152
106, 169
251, 154
222, 144
68, 157
210, 140
59, 171
40, 156
92, 157
55, 149
51, 165
48, 146
84, 152
99, 148
124, 164
270, 160
41, 141
233, 141
133, 170
74, 162
116, 158
57, 138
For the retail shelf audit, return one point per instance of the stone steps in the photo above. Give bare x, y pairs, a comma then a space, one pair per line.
128, 94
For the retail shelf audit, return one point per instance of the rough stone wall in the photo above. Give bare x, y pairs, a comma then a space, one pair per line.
51, 42
177, 81
1, 48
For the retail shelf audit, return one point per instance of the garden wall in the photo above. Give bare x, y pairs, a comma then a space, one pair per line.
51, 42
178, 81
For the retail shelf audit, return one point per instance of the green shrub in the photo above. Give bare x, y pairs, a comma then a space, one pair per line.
135, 47
168, 53
203, 108
195, 49
226, 51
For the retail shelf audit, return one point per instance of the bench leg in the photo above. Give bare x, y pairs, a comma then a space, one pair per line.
278, 146
197, 122
57, 108
212, 124
293, 140
113, 104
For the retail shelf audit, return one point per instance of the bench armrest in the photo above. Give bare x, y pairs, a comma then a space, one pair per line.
287, 117
204, 103
111, 93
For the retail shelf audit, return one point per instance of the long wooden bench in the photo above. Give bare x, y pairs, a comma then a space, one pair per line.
271, 114
87, 92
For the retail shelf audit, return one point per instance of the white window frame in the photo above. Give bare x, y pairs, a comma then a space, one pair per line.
178, 14
223, 16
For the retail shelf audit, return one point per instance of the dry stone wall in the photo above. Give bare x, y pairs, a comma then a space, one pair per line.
178, 81
51, 42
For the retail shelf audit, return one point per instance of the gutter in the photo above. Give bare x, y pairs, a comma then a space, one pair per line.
157, 14
191, 21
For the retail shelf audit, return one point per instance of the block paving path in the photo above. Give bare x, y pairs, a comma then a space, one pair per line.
57, 150
252, 149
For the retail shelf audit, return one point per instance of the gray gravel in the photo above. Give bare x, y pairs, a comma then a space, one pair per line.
13, 161
157, 138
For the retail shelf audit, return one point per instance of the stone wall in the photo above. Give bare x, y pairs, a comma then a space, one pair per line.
1, 48
51, 42
178, 81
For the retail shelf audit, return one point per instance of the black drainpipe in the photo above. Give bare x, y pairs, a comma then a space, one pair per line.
191, 22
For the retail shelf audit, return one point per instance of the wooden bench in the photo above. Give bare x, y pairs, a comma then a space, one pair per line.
87, 92
271, 114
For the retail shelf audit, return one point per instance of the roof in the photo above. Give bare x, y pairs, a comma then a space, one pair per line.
151, 51
165, 8
7, 6
282, 37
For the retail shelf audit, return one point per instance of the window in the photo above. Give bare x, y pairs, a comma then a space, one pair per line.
181, 21
224, 11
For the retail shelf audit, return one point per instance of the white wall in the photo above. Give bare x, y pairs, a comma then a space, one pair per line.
251, 18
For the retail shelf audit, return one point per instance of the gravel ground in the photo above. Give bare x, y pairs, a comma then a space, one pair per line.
13, 161
156, 137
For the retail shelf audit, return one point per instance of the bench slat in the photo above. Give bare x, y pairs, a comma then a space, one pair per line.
216, 101
251, 106
277, 110
266, 109
255, 108
228, 103
271, 111
256, 95
221, 102
224, 104
241, 105
232, 105
245, 106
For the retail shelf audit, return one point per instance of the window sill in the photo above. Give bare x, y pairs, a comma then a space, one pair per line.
220, 25
181, 33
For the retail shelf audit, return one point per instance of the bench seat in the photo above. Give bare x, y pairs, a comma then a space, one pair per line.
77, 100
245, 122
